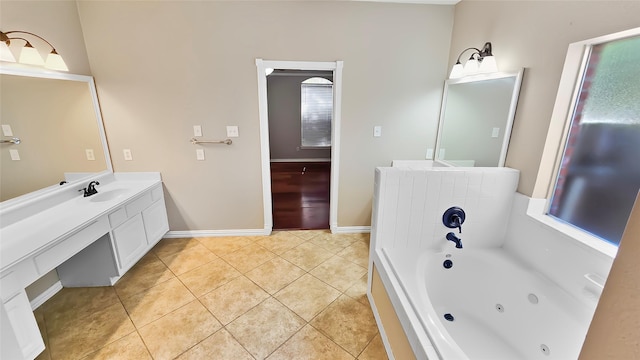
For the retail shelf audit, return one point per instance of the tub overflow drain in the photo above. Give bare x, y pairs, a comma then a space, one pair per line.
448, 317
447, 264
499, 307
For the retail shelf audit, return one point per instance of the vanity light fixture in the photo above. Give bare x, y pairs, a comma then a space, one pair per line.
481, 61
29, 54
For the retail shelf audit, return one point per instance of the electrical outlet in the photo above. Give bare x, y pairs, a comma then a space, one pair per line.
197, 130
429, 154
127, 154
199, 154
232, 131
377, 131
441, 154
90, 155
495, 132
15, 155
6, 130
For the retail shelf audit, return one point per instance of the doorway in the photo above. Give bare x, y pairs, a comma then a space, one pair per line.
313, 173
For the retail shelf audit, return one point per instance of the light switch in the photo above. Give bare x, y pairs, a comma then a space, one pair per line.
232, 131
14, 154
90, 155
199, 154
377, 131
429, 154
127, 154
6, 130
495, 132
197, 130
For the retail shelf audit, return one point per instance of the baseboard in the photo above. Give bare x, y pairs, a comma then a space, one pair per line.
46, 295
215, 233
351, 229
301, 160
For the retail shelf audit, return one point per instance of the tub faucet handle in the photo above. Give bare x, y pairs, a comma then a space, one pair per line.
454, 218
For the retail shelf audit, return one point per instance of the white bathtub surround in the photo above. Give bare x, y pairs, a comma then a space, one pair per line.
409, 203
518, 289
565, 260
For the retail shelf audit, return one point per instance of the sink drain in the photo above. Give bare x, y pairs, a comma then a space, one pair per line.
545, 349
499, 307
448, 317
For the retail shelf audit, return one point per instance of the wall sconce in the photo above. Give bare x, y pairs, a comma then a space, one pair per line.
480, 62
29, 54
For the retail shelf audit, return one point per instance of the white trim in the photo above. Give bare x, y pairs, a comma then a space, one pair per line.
351, 230
301, 160
46, 295
336, 67
214, 233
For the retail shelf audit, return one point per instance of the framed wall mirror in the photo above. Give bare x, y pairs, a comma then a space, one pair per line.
476, 118
57, 119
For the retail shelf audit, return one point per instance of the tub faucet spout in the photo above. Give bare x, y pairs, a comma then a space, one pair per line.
452, 237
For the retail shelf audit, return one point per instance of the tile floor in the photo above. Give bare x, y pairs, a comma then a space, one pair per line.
291, 295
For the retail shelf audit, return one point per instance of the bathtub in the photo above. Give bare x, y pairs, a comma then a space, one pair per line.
486, 305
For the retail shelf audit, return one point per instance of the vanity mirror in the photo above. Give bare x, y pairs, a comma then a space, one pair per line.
476, 118
57, 119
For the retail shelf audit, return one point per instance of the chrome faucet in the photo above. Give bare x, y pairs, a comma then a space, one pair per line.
90, 189
452, 237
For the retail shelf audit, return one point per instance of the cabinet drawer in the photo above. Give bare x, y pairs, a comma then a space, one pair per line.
117, 217
136, 206
72, 244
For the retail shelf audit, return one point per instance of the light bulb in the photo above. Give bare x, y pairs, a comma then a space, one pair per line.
457, 71
29, 55
55, 62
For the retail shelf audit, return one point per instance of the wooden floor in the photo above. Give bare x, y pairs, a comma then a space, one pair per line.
300, 193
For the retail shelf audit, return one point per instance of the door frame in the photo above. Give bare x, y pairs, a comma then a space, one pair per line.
336, 67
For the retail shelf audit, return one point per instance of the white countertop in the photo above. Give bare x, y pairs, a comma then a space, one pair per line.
25, 237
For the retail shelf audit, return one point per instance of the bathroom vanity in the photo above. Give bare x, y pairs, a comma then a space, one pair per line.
91, 241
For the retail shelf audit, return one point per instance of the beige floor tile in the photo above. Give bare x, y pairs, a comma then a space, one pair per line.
281, 242
309, 234
333, 242
71, 304
208, 277
168, 247
339, 273
147, 273
188, 259
306, 255
307, 296
358, 291
227, 244
178, 331
94, 331
248, 257
128, 347
374, 351
275, 274
265, 327
357, 252
156, 302
233, 299
348, 323
220, 345
310, 344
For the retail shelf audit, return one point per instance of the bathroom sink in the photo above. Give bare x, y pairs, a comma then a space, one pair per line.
107, 195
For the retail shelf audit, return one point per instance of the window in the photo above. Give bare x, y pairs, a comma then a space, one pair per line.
317, 110
599, 176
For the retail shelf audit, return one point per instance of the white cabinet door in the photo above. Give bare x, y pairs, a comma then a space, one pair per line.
130, 241
155, 221
25, 329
